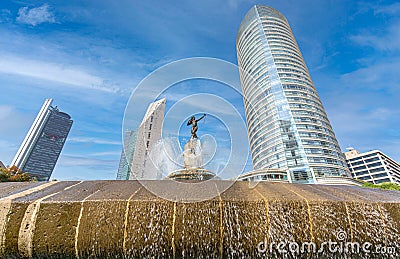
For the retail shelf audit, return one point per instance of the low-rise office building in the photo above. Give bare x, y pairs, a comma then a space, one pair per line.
372, 166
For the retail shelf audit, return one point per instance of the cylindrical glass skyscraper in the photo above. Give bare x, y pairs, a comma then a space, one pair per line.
287, 124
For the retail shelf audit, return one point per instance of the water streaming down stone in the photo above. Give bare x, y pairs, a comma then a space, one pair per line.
121, 219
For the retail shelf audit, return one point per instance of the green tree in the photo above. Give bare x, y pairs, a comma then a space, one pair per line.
13, 174
4, 175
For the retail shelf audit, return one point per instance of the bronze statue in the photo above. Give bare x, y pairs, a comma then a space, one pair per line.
193, 121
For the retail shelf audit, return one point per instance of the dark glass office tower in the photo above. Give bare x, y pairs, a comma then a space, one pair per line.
42, 145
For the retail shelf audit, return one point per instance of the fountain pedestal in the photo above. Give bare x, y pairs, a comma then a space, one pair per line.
193, 162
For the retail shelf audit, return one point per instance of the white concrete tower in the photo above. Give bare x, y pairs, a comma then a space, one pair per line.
148, 134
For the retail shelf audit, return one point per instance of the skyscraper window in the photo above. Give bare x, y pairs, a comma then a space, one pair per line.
287, 125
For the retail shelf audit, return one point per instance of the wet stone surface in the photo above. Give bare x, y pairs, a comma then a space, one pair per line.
122, 219
7, 189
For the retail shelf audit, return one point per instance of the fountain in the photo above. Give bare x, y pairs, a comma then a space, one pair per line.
128, 219
193, 164
122, 219
193, 158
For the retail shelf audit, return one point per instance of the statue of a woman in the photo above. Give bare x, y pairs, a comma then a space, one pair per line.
193, 122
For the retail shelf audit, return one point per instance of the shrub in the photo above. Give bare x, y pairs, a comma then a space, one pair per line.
386, 186
13, 174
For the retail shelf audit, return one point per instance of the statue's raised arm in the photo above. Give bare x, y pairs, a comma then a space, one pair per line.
204, 115
192, 121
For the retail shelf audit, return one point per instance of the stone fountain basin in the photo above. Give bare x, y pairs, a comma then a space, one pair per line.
123, 219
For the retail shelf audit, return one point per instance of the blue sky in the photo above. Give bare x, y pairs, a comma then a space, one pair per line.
89, 56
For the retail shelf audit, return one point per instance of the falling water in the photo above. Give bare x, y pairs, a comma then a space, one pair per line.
121, 219
166, 156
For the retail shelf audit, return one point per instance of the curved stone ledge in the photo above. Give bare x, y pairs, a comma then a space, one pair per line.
122, 219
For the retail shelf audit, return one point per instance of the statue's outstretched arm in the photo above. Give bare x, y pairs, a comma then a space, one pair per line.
204, 115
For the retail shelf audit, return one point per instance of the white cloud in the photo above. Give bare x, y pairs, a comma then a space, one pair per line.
14, 123
391, 9
54, 72
366, 114
388, 40
106, 153
93, 163
382, 75
7, 151
5, 111
35, 16
5, 15
14, 126
93, 140
202, 102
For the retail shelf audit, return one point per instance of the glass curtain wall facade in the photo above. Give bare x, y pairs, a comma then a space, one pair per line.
287, 124
373, 166
42, 145
124, 168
